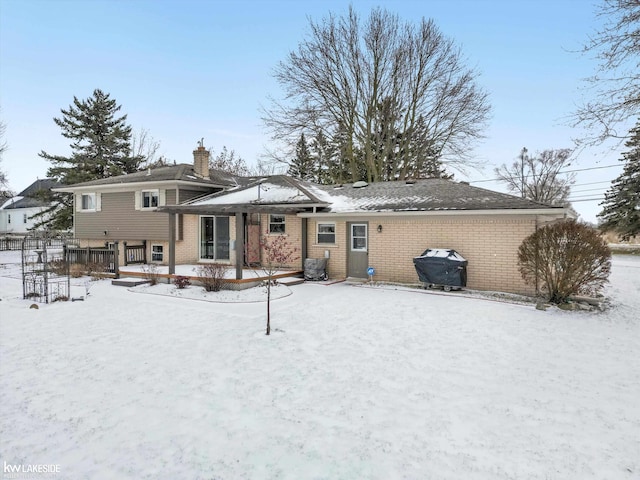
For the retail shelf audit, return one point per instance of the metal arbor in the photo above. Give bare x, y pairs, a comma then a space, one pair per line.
45, 273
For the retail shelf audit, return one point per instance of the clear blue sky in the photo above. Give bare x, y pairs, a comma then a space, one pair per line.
184, 70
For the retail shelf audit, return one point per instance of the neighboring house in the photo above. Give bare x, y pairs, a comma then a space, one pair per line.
16, 213
188, 215
123, 209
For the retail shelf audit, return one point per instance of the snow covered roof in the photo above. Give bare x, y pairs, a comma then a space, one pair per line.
401, 196
270, 190
419, 195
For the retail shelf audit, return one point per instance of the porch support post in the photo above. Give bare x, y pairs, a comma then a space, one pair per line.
239, 244
172, 244
303, 247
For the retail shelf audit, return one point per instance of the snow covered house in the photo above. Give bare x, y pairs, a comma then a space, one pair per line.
185, 214
16, 213
356, 226
123, 208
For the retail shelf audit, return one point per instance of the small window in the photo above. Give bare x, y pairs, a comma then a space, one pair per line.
326, 233
276, 224
150, 199
157, 253
88, 201
24, 218
358, 238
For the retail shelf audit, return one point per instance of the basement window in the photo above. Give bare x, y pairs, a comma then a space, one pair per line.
157, 253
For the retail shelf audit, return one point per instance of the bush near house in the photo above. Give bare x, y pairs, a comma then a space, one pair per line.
565, 259
212, 276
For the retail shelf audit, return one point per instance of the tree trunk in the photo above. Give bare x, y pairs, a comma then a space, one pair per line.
269, 305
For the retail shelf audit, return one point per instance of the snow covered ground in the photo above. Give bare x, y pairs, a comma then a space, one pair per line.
356, 382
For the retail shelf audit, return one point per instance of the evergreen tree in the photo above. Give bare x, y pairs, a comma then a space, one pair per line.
303, 165
100, 148
621, 206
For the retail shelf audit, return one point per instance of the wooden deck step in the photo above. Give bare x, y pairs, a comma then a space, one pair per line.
129, 282
289, 281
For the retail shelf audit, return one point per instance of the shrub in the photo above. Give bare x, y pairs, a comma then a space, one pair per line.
58, 267
76, 270
151, 273
181, 282
564, 259
96, 271
212, 276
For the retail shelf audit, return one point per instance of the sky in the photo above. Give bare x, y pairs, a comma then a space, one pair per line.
186, 70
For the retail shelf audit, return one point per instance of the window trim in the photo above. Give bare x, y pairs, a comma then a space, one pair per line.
161, 253
318, 224
94, 201
277, 224
352, 237
153, 193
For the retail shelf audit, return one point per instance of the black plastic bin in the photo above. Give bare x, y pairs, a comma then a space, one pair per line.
315, 269
442, 267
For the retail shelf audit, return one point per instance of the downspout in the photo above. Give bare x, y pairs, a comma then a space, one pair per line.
304, 240
172, 244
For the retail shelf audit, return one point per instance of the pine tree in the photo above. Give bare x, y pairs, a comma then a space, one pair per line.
100, 148
303, 166
621, 206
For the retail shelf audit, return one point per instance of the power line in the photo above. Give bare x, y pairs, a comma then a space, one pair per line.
589, 190
585, 200
590, 183
562, 171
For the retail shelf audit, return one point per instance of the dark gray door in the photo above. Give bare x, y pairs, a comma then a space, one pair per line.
358, 250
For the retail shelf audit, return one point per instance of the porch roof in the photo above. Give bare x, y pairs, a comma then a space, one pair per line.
233, 208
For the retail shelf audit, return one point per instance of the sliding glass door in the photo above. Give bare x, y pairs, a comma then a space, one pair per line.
214, 238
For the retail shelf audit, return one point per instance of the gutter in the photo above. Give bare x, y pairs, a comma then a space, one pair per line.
126, 187
439, 213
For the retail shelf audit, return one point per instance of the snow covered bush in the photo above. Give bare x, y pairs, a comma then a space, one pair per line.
151, 273
564, 259
212, 276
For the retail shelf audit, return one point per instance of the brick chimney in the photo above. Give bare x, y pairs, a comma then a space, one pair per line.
201, 161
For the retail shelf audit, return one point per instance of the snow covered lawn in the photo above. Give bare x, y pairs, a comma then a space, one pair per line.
355, 383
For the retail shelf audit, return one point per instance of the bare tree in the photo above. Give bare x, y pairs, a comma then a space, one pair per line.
3, 148
228, 161
144, 146
371, 87
615, 88
277, 253
540, 178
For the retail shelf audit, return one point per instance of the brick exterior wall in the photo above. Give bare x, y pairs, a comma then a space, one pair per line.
293, 232
489, 242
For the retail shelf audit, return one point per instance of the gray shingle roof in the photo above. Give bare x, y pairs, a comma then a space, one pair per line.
41, 185
420, 195
26, 202
181, 172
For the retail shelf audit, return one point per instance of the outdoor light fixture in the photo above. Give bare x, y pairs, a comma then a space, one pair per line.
105, 233
379, 228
